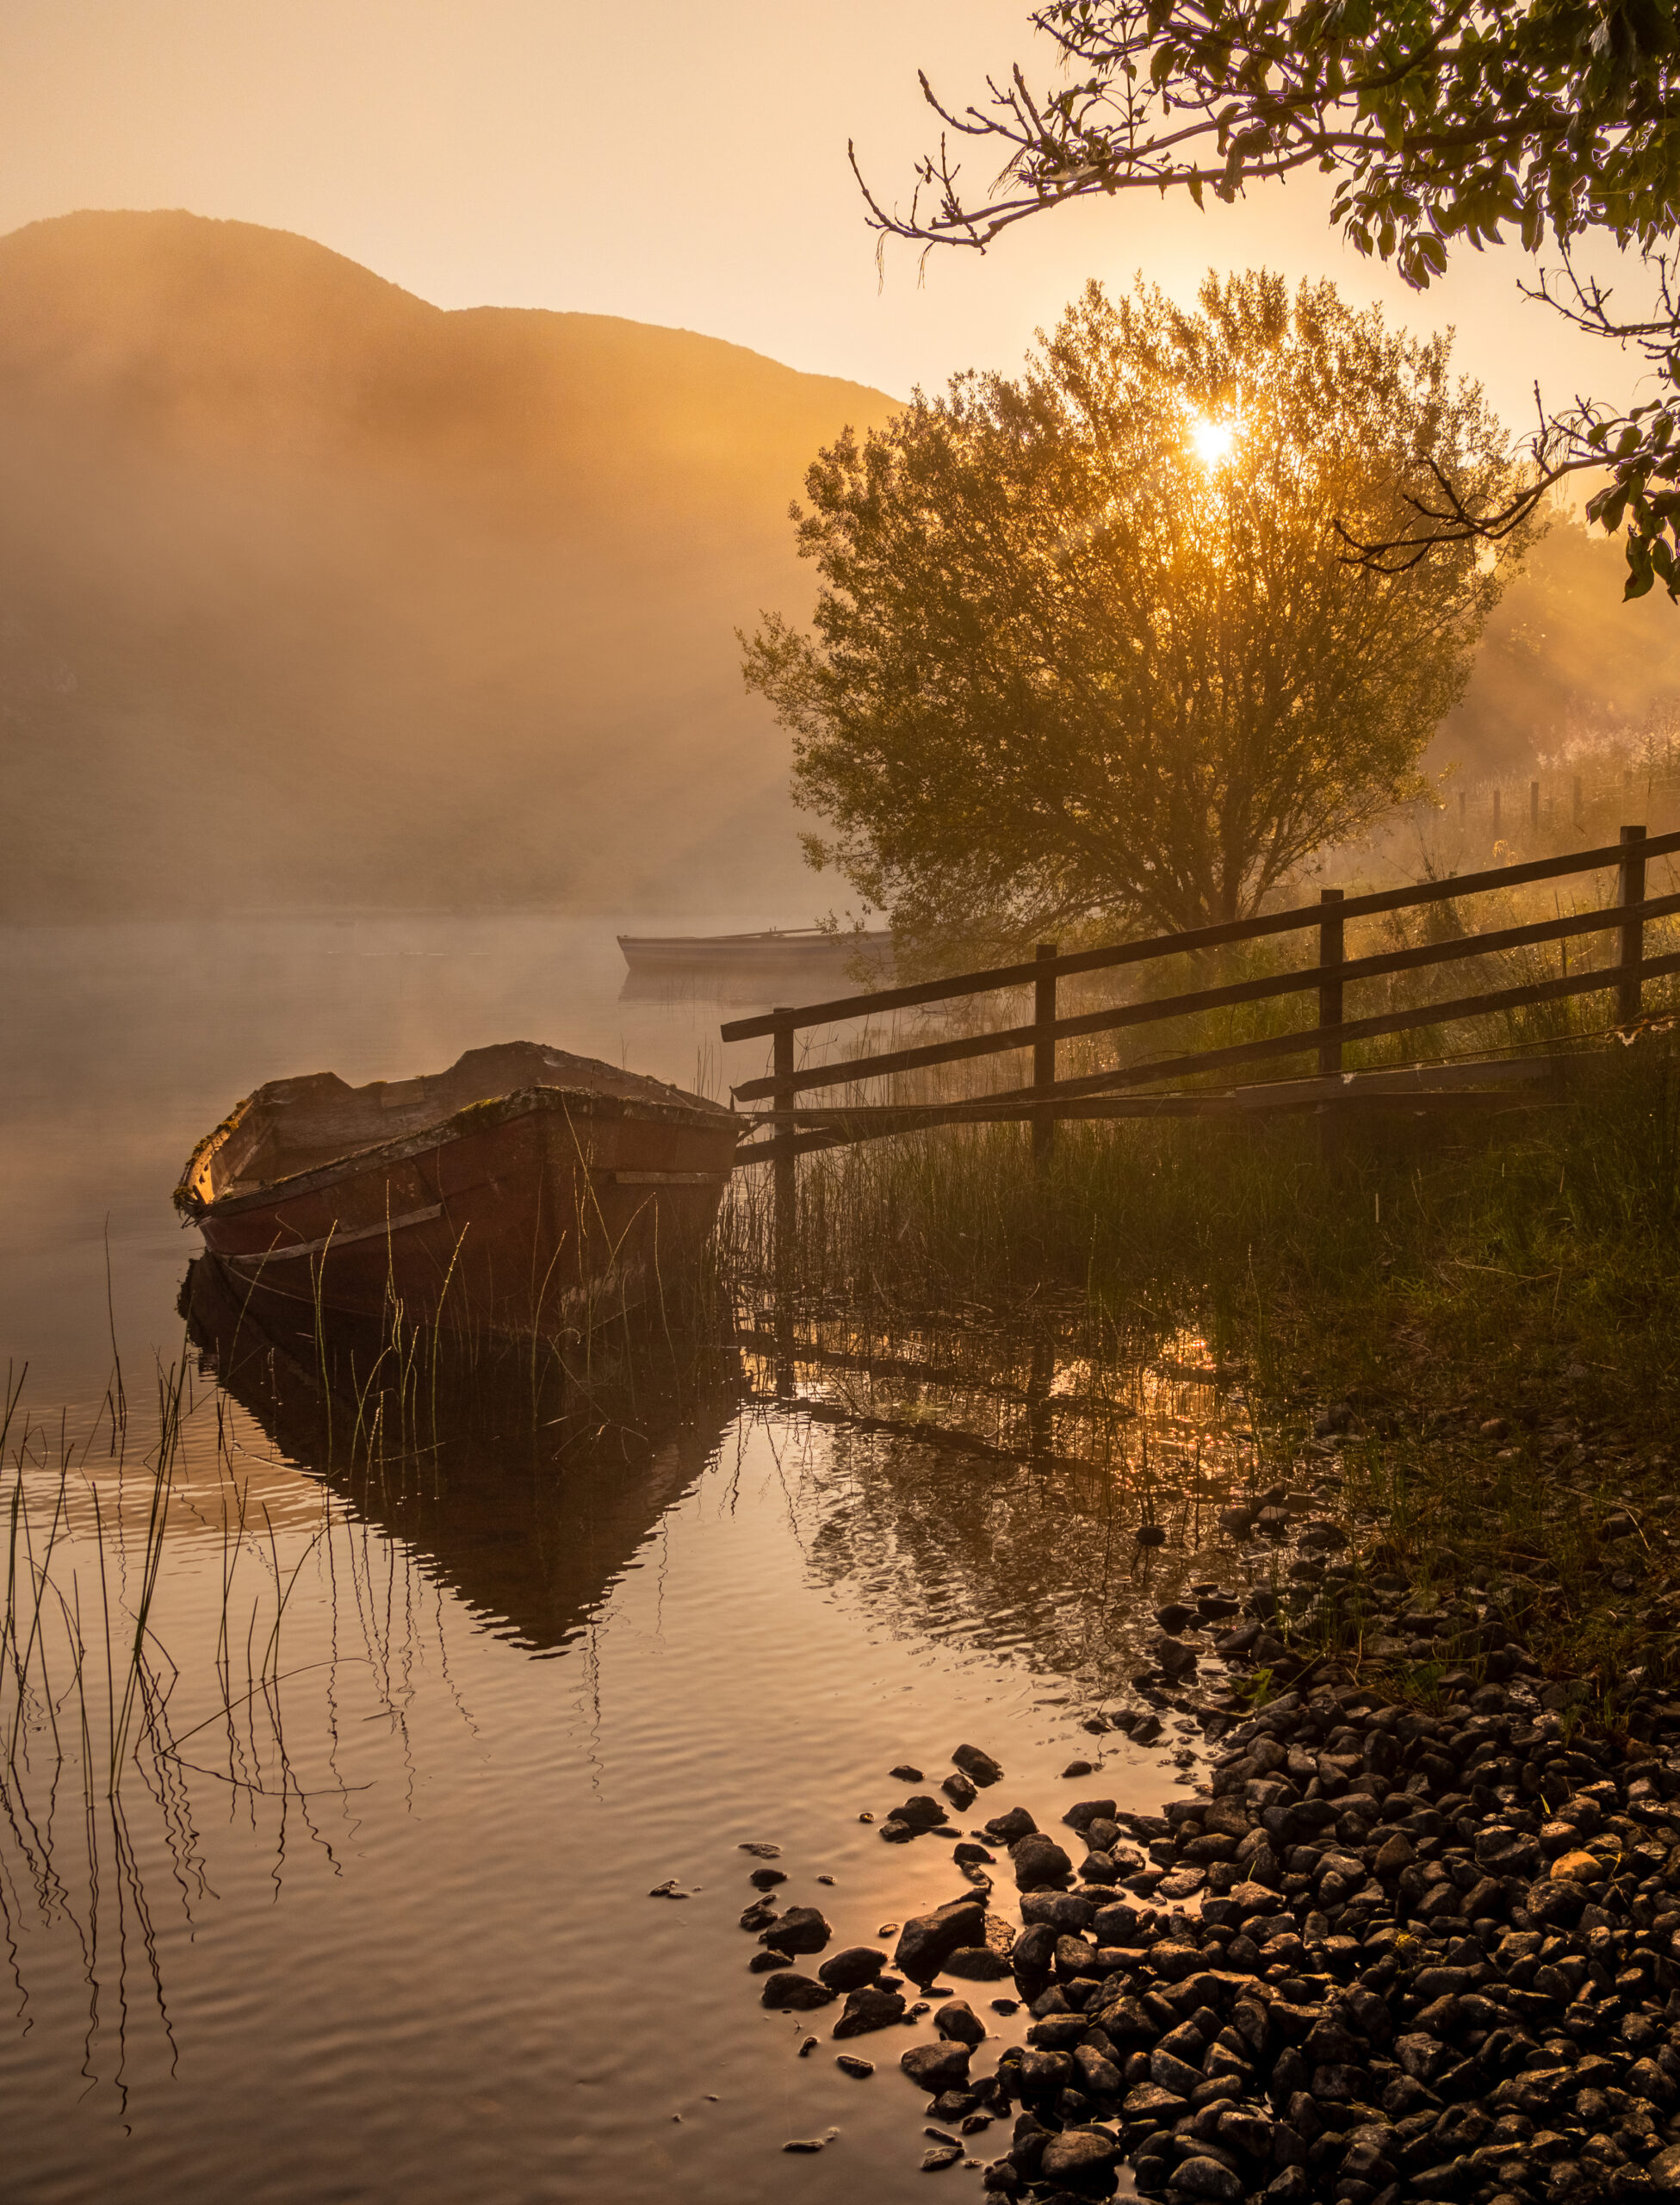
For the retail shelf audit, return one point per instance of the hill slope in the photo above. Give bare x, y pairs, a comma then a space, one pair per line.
313, 593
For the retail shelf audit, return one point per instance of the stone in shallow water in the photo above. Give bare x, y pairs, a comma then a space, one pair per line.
801, 1929
939, 2156
1038, 1861
904, 1773
766, 1963
935, 2067
869, 2009
851, 1969
926, 1940
975, 1762
959, 2024
796, 1993
849, 2064
959, 1790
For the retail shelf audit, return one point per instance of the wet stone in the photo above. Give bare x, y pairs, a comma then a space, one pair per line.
1038, 1861
849, 2064
765, 1963
959, 2022
935, 2067
869, 2009
791, 1992
976, 1763
851, 1969
765, 1880
801, 1929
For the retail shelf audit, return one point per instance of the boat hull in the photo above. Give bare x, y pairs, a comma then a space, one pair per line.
543, 1212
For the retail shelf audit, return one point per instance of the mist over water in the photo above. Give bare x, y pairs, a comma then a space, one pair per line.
391, 1935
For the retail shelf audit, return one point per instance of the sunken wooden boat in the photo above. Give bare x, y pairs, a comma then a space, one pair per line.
524, 1190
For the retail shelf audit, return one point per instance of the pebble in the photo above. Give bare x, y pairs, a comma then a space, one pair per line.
1436, 1962
849, 2064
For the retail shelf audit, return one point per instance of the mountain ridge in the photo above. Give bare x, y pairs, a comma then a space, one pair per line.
419, 605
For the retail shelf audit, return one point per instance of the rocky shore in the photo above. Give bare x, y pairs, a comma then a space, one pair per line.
1384, 1951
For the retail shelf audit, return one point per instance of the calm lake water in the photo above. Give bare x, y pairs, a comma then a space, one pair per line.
377, 1924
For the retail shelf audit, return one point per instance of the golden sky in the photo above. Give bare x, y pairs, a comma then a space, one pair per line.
544, 152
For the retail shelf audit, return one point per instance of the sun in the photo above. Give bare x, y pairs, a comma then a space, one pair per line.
1214, 440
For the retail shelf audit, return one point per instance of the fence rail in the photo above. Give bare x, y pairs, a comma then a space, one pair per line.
796, 1131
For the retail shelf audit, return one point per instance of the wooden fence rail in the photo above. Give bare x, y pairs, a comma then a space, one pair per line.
796, 1130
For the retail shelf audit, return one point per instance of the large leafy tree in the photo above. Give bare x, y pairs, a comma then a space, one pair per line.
1443, 123
1084, 645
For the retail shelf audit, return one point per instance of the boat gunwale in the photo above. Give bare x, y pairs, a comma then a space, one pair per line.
488, 1112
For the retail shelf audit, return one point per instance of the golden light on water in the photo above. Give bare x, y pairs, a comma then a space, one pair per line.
1213, 441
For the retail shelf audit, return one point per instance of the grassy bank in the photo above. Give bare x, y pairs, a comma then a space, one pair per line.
1488, 1314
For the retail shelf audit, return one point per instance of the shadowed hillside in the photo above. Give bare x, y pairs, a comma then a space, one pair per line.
312, 593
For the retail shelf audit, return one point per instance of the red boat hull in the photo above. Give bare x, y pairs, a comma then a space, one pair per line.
547, 1210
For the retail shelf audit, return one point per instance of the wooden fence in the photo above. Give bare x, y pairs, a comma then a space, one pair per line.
796, 1128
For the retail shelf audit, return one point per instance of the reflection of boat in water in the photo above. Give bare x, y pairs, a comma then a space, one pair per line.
524, 1190
778, 952
527, 1494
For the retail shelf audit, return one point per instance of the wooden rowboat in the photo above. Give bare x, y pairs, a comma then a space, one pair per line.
523, 1191
780, 952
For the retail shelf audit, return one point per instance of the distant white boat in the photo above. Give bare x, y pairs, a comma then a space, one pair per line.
777, 949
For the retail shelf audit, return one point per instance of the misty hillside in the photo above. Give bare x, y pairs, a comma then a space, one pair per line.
1564, 661
313, 593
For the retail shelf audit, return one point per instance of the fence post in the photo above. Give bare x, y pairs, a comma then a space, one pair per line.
1533, 805
1630, 888
783, 1163
1043, 1056
1329, 990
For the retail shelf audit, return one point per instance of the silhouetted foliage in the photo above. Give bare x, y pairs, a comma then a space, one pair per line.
1441, 123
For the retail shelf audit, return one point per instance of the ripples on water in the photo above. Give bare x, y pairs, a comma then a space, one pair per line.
368, 1917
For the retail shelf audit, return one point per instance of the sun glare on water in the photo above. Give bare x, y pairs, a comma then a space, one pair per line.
1212, 440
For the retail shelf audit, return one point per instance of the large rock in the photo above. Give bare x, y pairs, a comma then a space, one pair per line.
976, 1964
958, 2021
1077, 2153
1037, 1861
850, 1970
801, 1929
977, 1764
1084, 1812
922, 1811
926, 1939
1013, 1823
1065, 1911
870, 2009
1034, 1952
937, 2067
1209, 2178
797, 1992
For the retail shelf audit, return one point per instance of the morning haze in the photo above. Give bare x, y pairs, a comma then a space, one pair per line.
839, 1102
313, 594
